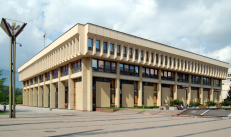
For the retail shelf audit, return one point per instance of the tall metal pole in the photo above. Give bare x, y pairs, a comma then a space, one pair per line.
10, 79
14, 51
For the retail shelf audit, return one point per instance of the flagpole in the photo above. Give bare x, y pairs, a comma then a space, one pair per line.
44, 42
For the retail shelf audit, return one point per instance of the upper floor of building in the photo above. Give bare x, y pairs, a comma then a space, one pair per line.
90, 40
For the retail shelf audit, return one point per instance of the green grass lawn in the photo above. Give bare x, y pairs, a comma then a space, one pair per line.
130, 108
3, 113
116, 108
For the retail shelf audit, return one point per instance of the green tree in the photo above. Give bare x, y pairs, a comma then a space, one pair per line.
227, 101
2, 80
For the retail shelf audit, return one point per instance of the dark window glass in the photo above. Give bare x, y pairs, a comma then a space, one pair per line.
113, 67
107, 66
143, 72
152, 73
90, 44
141, 55
101, 65
112, 48
121, 68
97, 45
125, 50
126, 69
147, 72
94, 65
136, 53
132, 70
130, 52
157, 58
165, 60
118, 50
105, 47
136, 71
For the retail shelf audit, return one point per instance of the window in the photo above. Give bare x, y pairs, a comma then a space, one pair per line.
132, 70
104, 47
90, 44
195, 79
103, 66
126, 69
36, 80
149, 72
31, 82
64, 70
130, 52
146, 56
141, 55
47, 76
174, 62
97, 46
178, 63
182, 64
124, 48
216, 82
136, 71
167, 75
107, 66
157, 59
170, 61
165, 60
100, 65
55, 74
161, 57
94, 65
206, 81
151, 57
118, 50
181, 77
112, 49
76, 66
136, 53
41, 78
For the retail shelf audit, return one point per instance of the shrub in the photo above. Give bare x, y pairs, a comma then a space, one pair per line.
194, 103
176, 102
211, 103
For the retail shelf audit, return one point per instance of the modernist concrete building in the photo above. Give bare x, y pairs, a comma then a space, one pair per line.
91, 66
225, 85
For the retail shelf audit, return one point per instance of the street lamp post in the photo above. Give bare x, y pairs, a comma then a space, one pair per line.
12, 31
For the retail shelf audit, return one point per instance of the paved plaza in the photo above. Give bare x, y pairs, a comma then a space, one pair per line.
33, 121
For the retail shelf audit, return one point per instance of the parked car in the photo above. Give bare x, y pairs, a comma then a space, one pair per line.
3, 103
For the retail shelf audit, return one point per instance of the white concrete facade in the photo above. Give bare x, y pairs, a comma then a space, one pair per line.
73, 46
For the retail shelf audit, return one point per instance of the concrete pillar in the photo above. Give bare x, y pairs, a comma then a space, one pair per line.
45, 95
189, 90
201, 92
117, 86
87, 84
159, 89
31, 97
70, 89
52, 95
211, 91
175, 87
40, 98
27, 97
201, 95
35, 97
140, 87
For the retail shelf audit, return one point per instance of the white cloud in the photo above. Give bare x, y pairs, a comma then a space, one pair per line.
198, 26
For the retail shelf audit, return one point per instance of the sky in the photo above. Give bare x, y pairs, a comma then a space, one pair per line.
202, 27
